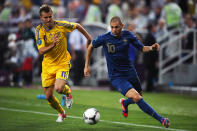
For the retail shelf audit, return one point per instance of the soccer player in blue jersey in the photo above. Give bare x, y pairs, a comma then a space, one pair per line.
121, 70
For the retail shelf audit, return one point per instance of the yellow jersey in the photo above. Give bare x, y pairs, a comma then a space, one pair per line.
59, 55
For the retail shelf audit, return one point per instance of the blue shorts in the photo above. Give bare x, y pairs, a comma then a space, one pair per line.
123, 85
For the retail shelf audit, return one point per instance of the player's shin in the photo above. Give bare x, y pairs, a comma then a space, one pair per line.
66, 91
148, 109
68, 99
54, 102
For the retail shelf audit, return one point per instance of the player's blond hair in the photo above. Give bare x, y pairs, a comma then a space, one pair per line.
45, 8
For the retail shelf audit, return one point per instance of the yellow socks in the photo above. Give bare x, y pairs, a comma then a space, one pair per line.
66, 91
54, 102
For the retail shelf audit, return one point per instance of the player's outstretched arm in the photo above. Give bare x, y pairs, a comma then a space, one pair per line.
154, 47
85, 33
87, 61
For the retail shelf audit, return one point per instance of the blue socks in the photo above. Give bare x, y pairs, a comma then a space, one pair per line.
128, 101
148, 109
144, 107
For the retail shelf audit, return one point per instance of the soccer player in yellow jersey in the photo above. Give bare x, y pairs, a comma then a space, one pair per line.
52, 43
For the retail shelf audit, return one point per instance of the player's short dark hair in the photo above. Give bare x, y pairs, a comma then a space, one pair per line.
45, 8
116, 19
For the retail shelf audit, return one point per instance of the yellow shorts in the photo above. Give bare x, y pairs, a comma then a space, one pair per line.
49, 75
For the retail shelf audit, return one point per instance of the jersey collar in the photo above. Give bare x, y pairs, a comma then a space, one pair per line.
114, 36
47, 29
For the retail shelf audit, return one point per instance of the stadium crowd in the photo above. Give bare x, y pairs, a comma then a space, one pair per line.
149, 19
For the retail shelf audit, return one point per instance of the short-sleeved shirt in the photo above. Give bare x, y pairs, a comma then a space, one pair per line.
117, 53
56, 62
59, 55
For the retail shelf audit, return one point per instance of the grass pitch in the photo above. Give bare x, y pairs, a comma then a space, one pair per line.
20, 110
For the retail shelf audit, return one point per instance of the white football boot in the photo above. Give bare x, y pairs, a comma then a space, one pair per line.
61, 117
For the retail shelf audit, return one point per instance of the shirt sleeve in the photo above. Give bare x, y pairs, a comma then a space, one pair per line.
68, 26
99, 41
39, 37
135, 42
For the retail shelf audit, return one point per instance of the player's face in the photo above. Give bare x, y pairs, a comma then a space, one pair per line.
116, 28
47, 19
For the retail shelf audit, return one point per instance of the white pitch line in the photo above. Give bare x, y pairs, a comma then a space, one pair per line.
76, 117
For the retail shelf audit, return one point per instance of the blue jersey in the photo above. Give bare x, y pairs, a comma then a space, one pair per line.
117, 54
132, 53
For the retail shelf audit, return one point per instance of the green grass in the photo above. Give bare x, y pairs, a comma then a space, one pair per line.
16, 102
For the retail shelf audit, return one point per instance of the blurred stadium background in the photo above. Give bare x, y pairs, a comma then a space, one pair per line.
175, 30
172, 23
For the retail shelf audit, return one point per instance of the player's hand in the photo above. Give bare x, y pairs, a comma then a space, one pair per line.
156, 47
86, 72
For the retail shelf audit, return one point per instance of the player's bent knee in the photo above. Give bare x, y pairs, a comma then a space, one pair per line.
59, 89
49, 97
136, 98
